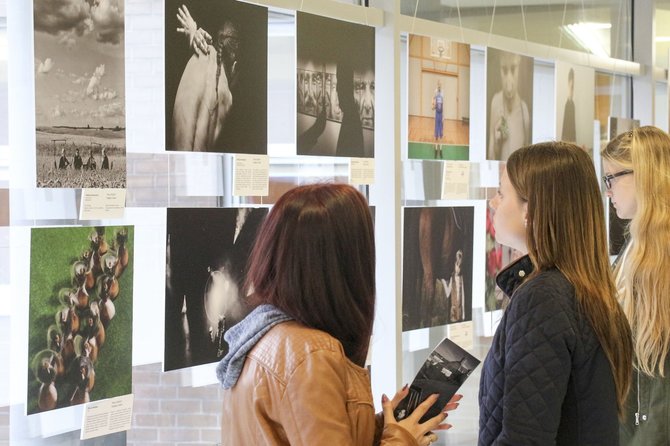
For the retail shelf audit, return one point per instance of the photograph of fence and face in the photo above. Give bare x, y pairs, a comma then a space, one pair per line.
335, 86
438, 99
509, 112
437, 266
207, 254
81, 315
80, 95
216, 76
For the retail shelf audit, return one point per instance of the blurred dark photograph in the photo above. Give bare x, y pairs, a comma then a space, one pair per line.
207, 254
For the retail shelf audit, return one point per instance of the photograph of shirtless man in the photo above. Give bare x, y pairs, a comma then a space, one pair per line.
216, 76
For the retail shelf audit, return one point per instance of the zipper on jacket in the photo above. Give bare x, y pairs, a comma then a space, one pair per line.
637, 414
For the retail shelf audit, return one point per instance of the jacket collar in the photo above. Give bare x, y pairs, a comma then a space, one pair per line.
242, 338
514, 274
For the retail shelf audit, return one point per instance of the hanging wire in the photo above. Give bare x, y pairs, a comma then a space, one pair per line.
620, 27
416, 9
614, 75
588, 54
460, 23
523, 21
560, 31
493, 17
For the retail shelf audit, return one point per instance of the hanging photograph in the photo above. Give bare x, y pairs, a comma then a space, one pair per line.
207, 254
509, 103
437, 266
617, 227
335, 87
80, 94
438, 99
216, 63
575, 104
81, 316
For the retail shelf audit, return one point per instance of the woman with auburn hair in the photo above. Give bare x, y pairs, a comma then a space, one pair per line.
294, 373
558, 370
637, 178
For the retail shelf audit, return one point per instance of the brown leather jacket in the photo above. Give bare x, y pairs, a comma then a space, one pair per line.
298, 388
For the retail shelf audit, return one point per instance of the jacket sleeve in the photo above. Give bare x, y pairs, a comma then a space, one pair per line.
539, 340
396, 435
314, 406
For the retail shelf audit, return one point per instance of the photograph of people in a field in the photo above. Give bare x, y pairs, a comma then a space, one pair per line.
79, 95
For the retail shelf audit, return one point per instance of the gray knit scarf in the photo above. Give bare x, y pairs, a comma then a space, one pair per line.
241, 338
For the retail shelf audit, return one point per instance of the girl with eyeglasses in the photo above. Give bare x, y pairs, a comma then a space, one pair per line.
637, 177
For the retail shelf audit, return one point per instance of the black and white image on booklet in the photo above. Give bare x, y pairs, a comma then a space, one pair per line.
444, 372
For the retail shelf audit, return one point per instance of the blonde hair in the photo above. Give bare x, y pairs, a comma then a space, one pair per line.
548, 176
643, 274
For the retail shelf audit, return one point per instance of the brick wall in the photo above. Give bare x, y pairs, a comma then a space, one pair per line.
167, 413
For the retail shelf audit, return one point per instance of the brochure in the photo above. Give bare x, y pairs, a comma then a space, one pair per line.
444, 371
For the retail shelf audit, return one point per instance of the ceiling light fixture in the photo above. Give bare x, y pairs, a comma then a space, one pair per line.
594, 37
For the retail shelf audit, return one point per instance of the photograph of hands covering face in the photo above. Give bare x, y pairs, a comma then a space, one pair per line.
335, 88
509, 81
216, 76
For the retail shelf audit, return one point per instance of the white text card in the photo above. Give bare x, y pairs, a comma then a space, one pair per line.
102, 204
107, 417
462, 334
362, 170
251, 175
456, 180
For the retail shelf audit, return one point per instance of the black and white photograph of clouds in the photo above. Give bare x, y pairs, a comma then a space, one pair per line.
79, 93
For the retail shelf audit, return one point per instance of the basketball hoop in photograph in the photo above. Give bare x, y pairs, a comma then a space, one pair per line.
440, 48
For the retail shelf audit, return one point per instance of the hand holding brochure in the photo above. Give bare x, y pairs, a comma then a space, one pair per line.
444, 371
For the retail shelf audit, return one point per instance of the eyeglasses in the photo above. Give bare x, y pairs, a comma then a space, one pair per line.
608, 178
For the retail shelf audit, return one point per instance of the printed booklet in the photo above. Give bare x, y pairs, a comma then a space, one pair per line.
444, 371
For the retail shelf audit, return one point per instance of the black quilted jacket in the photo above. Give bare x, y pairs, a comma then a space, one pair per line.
546, 380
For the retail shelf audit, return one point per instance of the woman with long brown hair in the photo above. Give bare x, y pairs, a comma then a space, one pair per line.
637, 178
558, 370
294, 372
